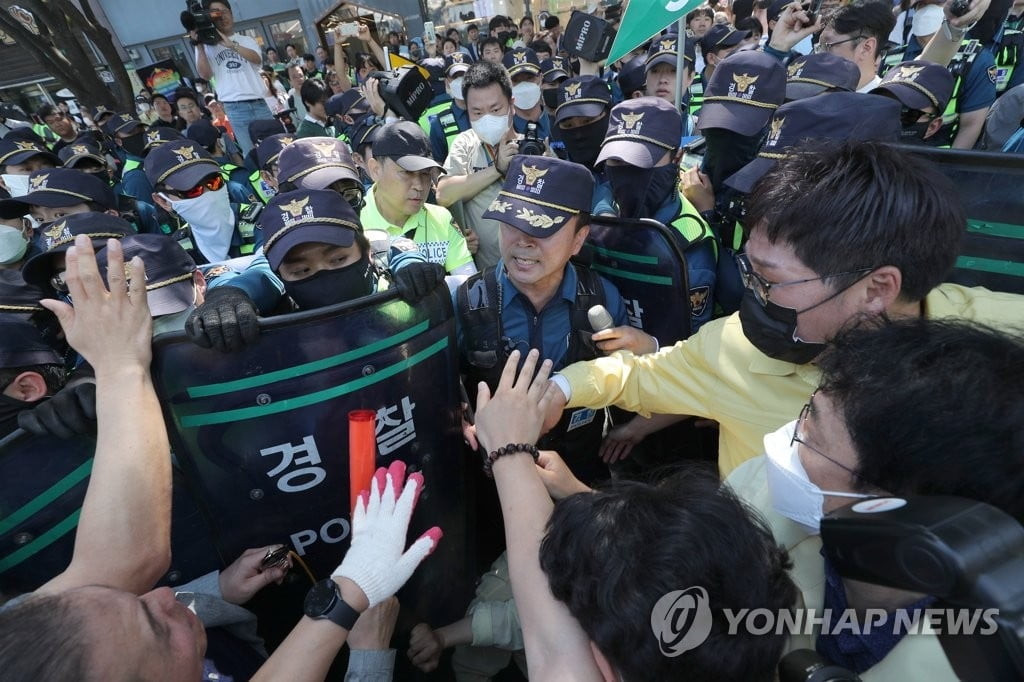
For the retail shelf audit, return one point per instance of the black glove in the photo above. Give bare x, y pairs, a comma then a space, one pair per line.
416, 280
227, 320
69, 413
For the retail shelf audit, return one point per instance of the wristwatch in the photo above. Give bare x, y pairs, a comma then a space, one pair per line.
324, 601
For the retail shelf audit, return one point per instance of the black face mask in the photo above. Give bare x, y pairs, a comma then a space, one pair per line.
772, 330
135, 145
328, 287
550, 98
726, 153
584, 142
640, 192
914, 133
10, 408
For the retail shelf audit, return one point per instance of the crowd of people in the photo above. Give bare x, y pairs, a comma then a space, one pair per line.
829, 357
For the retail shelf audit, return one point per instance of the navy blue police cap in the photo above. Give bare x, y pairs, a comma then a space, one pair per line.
81, 150
262, 128
521, 60
817, 72
269, 150
722, 36
406, 144
540, 194
18, 296
640, 131
303, 216
665, 50
554, 69
59, 236
456, 63
57, 188
744, 90
203, 132
169, 268
181, 165
14, 151
364, 133
160, 135
22, 344
582, 96
121, 123
316, 163
918, 85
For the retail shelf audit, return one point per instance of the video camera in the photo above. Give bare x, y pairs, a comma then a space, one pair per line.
965, 553
200, 20
588, 37
405, 91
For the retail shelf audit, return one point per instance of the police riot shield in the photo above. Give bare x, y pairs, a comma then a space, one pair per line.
645, 262
989, 185
262, 434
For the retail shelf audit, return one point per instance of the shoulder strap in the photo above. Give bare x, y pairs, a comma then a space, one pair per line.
589, 292
478, 305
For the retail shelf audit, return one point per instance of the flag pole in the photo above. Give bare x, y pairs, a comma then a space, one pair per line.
681, 49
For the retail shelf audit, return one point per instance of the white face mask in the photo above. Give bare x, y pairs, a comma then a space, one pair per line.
491, 127
211, 219
793, 493
17, 185
12, 245
455, 88
525, 95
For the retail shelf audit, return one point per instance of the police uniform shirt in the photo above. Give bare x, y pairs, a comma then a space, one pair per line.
543, 125
432, 228
978, 90
438, 140
467, 156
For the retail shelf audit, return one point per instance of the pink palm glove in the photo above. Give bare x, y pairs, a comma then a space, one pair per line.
375, 561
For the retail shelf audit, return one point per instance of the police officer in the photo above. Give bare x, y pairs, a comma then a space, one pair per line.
58, 192
536, 298
87, 158
524, 69
719, 42
46, 269
363, 135
923, 90
403, 174
660, 70
18, 158
581, 117
453, 119
267, 154
820, 72
129, 137
212, 140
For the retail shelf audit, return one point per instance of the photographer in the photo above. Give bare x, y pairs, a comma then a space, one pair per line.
234, 63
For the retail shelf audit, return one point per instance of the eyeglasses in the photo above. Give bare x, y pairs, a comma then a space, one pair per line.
212, 183
909, 117
761, 286
804, 413
827, 47
187, 107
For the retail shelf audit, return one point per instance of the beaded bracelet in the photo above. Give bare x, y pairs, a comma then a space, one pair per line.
510, 449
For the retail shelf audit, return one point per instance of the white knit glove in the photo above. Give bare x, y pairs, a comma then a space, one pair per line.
375, 561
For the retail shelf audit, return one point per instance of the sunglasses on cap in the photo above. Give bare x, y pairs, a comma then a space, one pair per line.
212, 183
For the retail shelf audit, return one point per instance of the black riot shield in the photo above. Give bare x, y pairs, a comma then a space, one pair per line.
645, 262
262, 435
990, 187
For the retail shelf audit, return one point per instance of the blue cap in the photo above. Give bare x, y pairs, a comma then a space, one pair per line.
541, 194
632, 76
455, 63
160, 135
640, 131
262, 128
121, 123
582, 96
919, 85
520, 60
14, 151
820, 71
203, 132
721, 36
59, 236
316, 162
665, 50
22, 344
180, 165
363, 132
18, 296
554, 69
342, 103
271, 147
744, 90
169, 268
829, 116
100, 114
80, 149
59, 187
304, 216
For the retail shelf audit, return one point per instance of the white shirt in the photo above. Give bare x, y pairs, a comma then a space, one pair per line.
871, 85
237, 79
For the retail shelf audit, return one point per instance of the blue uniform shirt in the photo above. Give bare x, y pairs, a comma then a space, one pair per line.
979, 88
438, 141
543, 125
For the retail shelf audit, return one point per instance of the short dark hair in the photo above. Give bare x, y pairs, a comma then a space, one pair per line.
43, 638
703, 10
871, 18
551, 22
472, 27
185, 93
752, 24
583, 219
271, 49
207, 3
848, 206
452, 41
54, 375
313, 91
157, 95
491, 40
526, 18
308, 57
539, 46
686, 531
497, 21
482, 74
958, 390
48, 110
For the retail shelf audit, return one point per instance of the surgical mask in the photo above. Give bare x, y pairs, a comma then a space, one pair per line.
13, 245
550, 99
640, 192
455, 89
584, 142
771, 328
135, 145
17, 185
525, 95
490, 128
794, 495
211, 221
328, 287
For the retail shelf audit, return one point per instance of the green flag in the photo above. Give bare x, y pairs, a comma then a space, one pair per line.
643, 19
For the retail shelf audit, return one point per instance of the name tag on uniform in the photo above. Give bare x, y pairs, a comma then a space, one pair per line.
580, 418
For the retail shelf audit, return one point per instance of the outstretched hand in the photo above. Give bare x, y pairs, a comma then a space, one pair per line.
111, 329
240, 581
515, 414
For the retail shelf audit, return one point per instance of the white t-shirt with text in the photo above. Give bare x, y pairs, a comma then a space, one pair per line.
237, 79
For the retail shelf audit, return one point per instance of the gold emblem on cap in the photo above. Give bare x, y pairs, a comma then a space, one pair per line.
533, 173
794, 68
457, 57
632, 119
285, 141
38, 182
79, 149
519, 57
499, 206
573, 89
126, 117
25, 146
775, 130
186, 153
56, 230
743, 81
538, 219
296, 207
153, 136
668, 45
908, 73
325, 150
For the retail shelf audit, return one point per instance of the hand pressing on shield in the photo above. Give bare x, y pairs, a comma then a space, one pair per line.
515, 414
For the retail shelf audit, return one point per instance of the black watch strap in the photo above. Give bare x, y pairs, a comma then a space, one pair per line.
324, 602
